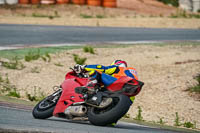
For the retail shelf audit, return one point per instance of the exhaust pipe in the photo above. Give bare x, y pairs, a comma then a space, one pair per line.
76, 111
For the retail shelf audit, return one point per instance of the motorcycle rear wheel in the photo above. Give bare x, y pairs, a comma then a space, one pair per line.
111, 114
44, 109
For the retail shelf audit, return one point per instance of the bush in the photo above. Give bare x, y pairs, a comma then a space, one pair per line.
177, 120
30, 97
79, 60
186, 124
139, 115
4, 81
32, 56
14, 93
13, 64
37, 96
189, 125
172, 2
85, 16
8, 89
88, 49
161, 121
35, 56
48, 56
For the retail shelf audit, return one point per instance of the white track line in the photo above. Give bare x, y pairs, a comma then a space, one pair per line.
14, 108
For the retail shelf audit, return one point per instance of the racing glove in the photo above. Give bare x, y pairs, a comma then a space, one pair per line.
79, 68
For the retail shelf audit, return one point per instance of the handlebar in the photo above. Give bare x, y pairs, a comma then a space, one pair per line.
81, 74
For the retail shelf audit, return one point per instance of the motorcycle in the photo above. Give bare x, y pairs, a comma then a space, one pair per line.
104, 106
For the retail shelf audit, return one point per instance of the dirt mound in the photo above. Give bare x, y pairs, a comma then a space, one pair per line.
151, 7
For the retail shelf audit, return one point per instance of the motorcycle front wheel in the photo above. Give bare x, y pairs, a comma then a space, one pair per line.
44, 109
111, 114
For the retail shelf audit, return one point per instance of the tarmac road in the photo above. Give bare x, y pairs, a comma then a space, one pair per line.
24, 35
22, 120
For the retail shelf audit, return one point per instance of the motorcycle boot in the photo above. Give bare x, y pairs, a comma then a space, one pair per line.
95, 101
99, 100
89, 88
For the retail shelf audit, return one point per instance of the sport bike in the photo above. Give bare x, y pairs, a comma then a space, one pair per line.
102, 106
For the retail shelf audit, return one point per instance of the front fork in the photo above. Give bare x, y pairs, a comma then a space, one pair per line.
58, 90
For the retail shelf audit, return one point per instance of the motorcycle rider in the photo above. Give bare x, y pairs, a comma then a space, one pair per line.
106, 74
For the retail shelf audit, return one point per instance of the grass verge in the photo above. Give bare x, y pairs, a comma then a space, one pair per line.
160, 126
21, 53
16, 100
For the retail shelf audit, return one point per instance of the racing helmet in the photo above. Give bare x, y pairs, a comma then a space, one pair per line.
119, 63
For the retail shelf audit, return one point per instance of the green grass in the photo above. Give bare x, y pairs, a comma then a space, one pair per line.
184, 14
139, 115
14, 93
21, 53
88, 49
158, 125
90, 16
32, 56
186, 124
58, 64
37, 96
4, 80
189, 125
6, 88
37, 55
16, 100
100, 16
85, 16
195, 89
14, 63
178, 126
79, 60
161, 121
177, 120
39, 15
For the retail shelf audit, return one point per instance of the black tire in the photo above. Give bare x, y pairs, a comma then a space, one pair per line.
44, 112
111, 114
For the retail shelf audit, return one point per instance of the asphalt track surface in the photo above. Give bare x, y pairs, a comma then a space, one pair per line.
22, 120
25, 35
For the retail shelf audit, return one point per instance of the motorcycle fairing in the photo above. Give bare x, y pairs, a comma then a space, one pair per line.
120, 84
69, 96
